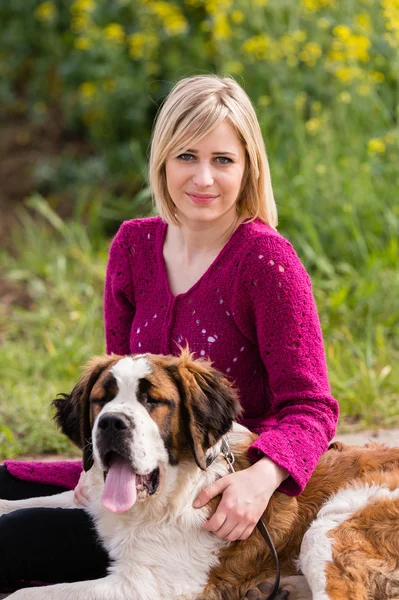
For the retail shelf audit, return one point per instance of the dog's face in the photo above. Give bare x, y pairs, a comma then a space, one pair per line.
136, 415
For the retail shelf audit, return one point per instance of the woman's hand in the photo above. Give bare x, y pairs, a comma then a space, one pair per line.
245, 495
80, 493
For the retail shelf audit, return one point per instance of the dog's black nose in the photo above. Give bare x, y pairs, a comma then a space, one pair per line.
111, 423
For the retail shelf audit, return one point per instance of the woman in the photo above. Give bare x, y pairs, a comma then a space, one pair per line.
212, 272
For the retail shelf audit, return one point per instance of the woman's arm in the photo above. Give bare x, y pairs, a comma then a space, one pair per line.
119, 303
280, 315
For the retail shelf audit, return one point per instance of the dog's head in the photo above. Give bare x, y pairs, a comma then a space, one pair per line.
139, 414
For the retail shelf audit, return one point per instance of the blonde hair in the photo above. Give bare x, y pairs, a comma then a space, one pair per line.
193, 108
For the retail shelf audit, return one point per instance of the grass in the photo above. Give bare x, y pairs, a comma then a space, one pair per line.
62, 267
334, 157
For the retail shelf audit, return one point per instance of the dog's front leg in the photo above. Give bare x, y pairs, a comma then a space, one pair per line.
111, 587
63, 500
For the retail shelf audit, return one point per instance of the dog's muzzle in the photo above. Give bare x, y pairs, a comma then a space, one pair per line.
123, 484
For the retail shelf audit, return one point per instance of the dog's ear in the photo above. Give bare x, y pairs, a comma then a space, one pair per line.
72, 413
209, 403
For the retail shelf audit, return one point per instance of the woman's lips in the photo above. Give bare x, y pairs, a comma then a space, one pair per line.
202, 199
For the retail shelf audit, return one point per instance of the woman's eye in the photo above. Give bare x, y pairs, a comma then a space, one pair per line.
186, 157
222, 160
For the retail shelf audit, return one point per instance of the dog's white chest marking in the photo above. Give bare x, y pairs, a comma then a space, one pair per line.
161, 545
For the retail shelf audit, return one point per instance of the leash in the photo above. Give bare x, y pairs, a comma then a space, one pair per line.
229, 457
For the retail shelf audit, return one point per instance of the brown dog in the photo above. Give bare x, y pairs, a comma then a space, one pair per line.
151, 427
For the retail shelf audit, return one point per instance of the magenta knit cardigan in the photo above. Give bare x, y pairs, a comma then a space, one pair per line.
252, 313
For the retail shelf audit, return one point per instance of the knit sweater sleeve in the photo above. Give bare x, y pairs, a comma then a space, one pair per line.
119, 303
276, 310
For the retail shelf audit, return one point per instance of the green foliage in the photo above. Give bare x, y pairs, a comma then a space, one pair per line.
323, 77
102, 69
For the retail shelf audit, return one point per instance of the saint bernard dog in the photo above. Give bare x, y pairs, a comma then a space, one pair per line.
151, 429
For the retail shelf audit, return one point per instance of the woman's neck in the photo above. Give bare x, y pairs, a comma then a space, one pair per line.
193, 240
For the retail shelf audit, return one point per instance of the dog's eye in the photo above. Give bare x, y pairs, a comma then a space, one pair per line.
99, 402
145, 398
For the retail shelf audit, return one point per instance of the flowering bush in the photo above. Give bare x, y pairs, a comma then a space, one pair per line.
322, 74
323, 77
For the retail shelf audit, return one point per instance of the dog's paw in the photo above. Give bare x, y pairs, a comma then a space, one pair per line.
262, 591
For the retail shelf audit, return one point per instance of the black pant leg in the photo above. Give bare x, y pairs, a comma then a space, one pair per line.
52, 545
12, 488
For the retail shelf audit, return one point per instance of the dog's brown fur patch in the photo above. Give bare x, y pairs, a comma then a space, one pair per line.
202, 406
244, 564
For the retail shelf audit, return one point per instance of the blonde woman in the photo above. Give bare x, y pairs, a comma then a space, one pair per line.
212, 272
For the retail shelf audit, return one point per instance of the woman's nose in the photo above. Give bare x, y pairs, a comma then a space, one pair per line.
203, 176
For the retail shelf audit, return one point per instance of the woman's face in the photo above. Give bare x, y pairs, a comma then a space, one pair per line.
204, 182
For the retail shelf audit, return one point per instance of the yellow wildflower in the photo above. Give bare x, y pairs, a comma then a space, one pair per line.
83, 6
377, 76
82, 43
345, 97
114, 33
87, 90
221, 29
316, 107
357, 48
391, 14
151, 68
323, 23
321, 169
299, 35
143, 45
214, 7
257, 46
80, 22
347, 74
375, 146
364, 89
288, 44
261, 2
237, 16
300, 100
363, 21
264, 100
292, 61
137, 45
342, 31
171, 16
275, 52
45, 12
316, 5
390, 138
234, 66
313, 125
310, 53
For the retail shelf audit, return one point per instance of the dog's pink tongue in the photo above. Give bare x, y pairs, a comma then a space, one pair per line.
119, 492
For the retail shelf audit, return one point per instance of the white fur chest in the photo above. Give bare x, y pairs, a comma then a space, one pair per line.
161, 544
